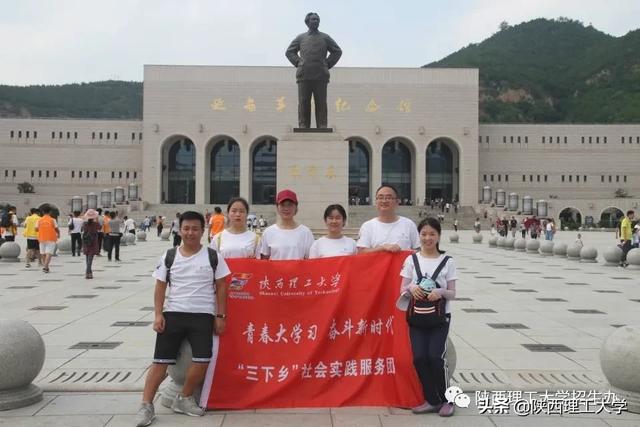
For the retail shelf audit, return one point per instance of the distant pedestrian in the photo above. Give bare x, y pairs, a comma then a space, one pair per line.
90, 243
48, 235
75, 231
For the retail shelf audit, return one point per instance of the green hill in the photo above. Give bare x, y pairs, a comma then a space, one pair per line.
555, 71
104, 100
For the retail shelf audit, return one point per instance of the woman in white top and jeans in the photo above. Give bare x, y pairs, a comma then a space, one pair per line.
334, 243
236, 241
286, 239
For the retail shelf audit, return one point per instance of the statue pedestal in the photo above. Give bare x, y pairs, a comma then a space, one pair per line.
316, 166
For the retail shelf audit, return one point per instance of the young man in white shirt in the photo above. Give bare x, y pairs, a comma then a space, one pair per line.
388, 231
195, 308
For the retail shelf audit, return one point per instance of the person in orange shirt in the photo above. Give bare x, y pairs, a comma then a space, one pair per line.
216, 223
106, 229
48, 235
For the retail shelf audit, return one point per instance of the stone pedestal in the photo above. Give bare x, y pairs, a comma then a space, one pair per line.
573, 252
620, 359
520, 245
141, 236
533, 246
10, 252
165, 235
315, 166
64, 245
454, 238
21, 358
633, 258
612, 256
546, 248
493, 242
560, 250
588, 254
477, 238
509, 243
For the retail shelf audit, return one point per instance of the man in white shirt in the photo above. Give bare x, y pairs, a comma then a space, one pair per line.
388, 231
195, 308
129, 225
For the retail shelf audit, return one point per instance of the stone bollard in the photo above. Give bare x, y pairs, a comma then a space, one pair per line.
141, 236
500, 243
123, 240
454, 238
509, 243
130, 238
633, 258
560, 250
546, 248
21, 357
533, 246
165, 235
64, 245
588, 254
612, 256
10, 252
573, 252
520, 245
493, 241
477, 238
619, 360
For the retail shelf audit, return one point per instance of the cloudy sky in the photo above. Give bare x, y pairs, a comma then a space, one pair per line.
67, 41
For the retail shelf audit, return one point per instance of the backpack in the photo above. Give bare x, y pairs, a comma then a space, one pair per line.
87, 237
171, 256
424, 313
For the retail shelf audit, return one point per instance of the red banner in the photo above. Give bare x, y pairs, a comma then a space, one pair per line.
314, 333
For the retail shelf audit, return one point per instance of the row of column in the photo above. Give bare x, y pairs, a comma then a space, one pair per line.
512, 202
77, 202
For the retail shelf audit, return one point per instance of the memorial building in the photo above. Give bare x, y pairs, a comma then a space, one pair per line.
209, 133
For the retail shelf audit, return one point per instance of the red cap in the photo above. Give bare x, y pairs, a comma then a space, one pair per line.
286, 195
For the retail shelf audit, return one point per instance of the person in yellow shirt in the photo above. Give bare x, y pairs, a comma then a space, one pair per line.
626, 231
32, 236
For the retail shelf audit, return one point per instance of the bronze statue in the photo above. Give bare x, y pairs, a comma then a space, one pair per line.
312, 73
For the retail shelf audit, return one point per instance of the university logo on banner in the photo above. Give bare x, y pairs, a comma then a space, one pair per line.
314, 333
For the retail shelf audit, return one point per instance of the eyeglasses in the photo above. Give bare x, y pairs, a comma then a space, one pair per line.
386, 198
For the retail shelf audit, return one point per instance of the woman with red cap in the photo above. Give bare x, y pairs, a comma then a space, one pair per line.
286, 239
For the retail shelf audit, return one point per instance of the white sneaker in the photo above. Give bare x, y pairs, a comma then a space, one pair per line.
187, 406
146, 414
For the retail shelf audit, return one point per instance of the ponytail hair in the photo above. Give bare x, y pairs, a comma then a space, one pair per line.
435, 224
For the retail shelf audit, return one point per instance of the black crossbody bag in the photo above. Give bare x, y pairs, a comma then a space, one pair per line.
424, 313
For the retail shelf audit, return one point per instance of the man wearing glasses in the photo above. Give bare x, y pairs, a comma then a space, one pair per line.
388, 231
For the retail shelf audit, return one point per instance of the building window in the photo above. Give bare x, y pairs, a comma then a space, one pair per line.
100, 135
14, 173
524, 178
526, 139
79, 174
113, 175
32, 174
538, 178
75, 135
486, 139
480, 139
11, 134
27, 134
120, 175
47, 174
484, 178
519, 140
577, 178
140, 136
115, 135
637, 139
59, 135
35, 134
557, 140
504, 139
617, 178
589, 140
73, 174
93, 135
135, 175
491, 178
545, 178
95, 174
506, 178
601, 178
6, 173
609, 178
622, 139
127, 174
562, 178
499, 178
133, 136
597, 140
511, 139
604, 140
19, 134
543, 139
625, 178
565, 139
584, 178
68, 135
108, 135
39, 174
570, 178
55, 174
530, 178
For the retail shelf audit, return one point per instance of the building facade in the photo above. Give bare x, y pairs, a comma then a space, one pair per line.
210, 133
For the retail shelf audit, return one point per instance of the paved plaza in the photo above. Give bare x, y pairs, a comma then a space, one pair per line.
521, 322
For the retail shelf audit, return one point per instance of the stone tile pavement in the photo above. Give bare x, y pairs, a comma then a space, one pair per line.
506, 300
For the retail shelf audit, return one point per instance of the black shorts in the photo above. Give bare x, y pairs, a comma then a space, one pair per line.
33, 244
196, 327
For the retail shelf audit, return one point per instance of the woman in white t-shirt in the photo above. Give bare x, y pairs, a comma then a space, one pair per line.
428, 343
334, 243
236, 241
286, 239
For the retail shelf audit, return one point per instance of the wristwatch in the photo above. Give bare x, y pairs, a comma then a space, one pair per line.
221, 316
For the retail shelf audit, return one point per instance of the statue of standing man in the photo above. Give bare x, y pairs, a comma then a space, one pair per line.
308, 53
